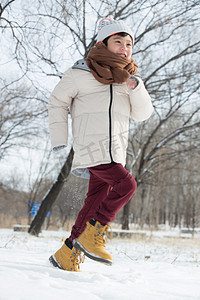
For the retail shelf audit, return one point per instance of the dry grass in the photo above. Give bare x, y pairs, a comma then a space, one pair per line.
137, 236
192, 242
9, 221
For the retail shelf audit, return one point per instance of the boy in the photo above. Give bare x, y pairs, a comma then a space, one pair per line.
102, 93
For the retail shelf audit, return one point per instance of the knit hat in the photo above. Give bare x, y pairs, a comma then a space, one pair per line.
108, 27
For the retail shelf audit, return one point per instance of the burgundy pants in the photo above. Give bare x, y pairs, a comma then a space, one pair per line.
110, 187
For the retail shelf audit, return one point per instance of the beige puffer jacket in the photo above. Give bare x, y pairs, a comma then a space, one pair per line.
100, 118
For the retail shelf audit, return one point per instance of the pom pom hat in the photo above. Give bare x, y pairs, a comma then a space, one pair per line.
108, 27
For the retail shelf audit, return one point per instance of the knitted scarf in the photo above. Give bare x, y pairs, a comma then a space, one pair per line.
108, 67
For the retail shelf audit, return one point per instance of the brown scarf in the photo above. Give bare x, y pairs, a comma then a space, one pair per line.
108, 67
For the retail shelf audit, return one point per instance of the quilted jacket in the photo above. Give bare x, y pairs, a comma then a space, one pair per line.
100, 117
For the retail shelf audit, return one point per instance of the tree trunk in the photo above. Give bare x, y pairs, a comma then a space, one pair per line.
125, 217
51, 196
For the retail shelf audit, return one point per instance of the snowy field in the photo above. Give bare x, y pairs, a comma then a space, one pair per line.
144, 269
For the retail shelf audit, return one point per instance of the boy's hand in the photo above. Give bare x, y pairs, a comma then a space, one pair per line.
131, 83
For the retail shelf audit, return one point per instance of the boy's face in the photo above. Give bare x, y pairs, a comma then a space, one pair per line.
121, 45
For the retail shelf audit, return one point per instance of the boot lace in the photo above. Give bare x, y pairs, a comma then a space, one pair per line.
101, 237
77, 258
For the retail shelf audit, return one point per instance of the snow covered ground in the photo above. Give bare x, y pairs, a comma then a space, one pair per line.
147, 269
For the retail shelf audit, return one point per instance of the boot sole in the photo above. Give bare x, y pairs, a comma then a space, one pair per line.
92, 256
54, 262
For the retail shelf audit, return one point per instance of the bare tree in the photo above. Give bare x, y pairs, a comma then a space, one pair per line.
166, 48
166, 74
51, 196
37, 186
22, 103
18, 115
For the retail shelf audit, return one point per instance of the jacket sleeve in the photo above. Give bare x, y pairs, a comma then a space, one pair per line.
58, 109
140, 100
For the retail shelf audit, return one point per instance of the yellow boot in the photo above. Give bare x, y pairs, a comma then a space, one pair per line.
92, 242
67, 259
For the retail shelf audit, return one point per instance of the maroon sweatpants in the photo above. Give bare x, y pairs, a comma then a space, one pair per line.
110, 187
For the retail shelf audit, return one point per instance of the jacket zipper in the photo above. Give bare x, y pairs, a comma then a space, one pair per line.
110, 123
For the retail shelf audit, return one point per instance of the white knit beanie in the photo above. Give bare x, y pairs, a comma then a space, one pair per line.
108, 27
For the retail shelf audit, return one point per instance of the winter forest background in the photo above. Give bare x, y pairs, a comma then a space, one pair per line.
39, 40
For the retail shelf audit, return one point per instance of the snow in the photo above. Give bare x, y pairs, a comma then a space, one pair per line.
150, 268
